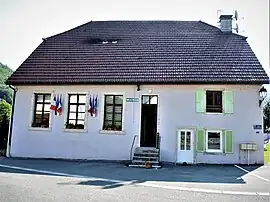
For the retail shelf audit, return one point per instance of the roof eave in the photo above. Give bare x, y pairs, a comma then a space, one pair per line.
258, 82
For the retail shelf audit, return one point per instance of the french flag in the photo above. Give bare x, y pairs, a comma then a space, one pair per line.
53, 104
59, 105
95, 107
90, 107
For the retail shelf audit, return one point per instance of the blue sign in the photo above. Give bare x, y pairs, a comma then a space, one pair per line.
257, 127
132, 99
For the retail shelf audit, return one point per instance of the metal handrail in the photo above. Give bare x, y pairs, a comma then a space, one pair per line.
131, 148
158, 141
158, 145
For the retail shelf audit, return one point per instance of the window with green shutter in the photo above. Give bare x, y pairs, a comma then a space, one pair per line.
200, 137
200, 101
228, 141
228, 102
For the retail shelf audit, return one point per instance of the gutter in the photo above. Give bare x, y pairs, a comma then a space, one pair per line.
11, 122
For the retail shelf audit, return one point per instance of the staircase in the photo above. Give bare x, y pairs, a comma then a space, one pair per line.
146, 157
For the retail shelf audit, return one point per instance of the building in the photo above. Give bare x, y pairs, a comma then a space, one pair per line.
195, 85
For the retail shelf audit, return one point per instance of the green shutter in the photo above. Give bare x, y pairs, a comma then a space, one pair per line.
228, 141
200, 140
228, 102
200, 101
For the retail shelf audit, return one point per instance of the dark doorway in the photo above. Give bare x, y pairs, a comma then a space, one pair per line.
149, 121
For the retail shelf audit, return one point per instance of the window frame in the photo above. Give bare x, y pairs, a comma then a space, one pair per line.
77, 104
221, 141
34, 110
220, 107
113, 113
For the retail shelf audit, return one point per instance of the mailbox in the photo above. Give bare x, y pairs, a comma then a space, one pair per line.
249, 146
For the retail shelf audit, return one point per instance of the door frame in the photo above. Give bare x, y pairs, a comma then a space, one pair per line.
140, 113
192, 143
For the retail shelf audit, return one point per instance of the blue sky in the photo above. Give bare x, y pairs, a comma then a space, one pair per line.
24, 23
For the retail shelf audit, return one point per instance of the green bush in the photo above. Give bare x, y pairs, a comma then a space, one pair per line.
5, 110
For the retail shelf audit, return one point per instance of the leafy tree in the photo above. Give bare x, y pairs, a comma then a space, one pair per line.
5, 91
5, 110
266, 116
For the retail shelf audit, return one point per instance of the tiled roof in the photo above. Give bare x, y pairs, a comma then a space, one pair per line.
141, 52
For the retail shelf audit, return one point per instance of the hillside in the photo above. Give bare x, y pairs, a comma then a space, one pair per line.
5, 91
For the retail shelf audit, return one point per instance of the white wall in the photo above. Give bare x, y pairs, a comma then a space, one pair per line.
176, 110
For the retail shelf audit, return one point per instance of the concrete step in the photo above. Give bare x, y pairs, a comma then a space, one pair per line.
143, 166
147, 149
145, 157
146, 154
143, 162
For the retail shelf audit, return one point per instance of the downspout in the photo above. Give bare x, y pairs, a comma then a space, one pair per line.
11, 122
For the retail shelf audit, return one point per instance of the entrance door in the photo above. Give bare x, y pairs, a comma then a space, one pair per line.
149, 121
185, 146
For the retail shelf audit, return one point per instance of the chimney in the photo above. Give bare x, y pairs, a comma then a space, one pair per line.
225, 23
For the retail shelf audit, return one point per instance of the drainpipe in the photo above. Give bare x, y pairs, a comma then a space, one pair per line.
11, 122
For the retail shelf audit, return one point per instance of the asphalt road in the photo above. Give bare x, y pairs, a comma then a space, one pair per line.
18, 185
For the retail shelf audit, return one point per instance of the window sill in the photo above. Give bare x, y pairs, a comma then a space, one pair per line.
111, 132
75, 130
214, 113
39, 129
213, 152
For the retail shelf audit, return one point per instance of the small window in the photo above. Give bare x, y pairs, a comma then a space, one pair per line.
41, 115
214, 141
113, 111
150, 99
214, 101
76, 111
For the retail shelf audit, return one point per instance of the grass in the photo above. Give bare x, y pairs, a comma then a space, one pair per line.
267, 153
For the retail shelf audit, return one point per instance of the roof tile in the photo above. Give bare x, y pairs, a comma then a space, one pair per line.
145, 52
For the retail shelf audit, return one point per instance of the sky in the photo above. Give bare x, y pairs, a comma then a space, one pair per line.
23, 23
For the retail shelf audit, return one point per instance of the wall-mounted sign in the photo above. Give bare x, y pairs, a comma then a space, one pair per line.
132, 99
257, 127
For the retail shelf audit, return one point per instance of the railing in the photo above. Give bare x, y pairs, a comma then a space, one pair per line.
131, 148
158, 141
158, 145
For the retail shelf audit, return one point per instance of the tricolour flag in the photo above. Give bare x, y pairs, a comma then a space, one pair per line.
59, 105
90, 107
53, 103
95, 107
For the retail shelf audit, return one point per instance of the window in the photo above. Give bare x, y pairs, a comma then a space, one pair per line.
150, 99
76, 111
213, 141
185, 140
113, 109
214, 101
41, 116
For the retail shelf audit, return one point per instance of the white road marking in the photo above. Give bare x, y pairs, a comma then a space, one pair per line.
262, 178
57, 173
133, 182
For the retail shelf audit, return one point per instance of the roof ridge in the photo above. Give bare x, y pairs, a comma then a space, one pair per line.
205, 23
93, 21
67, 30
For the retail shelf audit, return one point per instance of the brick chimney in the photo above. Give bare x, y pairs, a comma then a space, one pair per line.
225, 23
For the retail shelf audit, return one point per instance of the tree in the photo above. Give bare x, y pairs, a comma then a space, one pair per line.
5, 91
5, 110
266, 116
